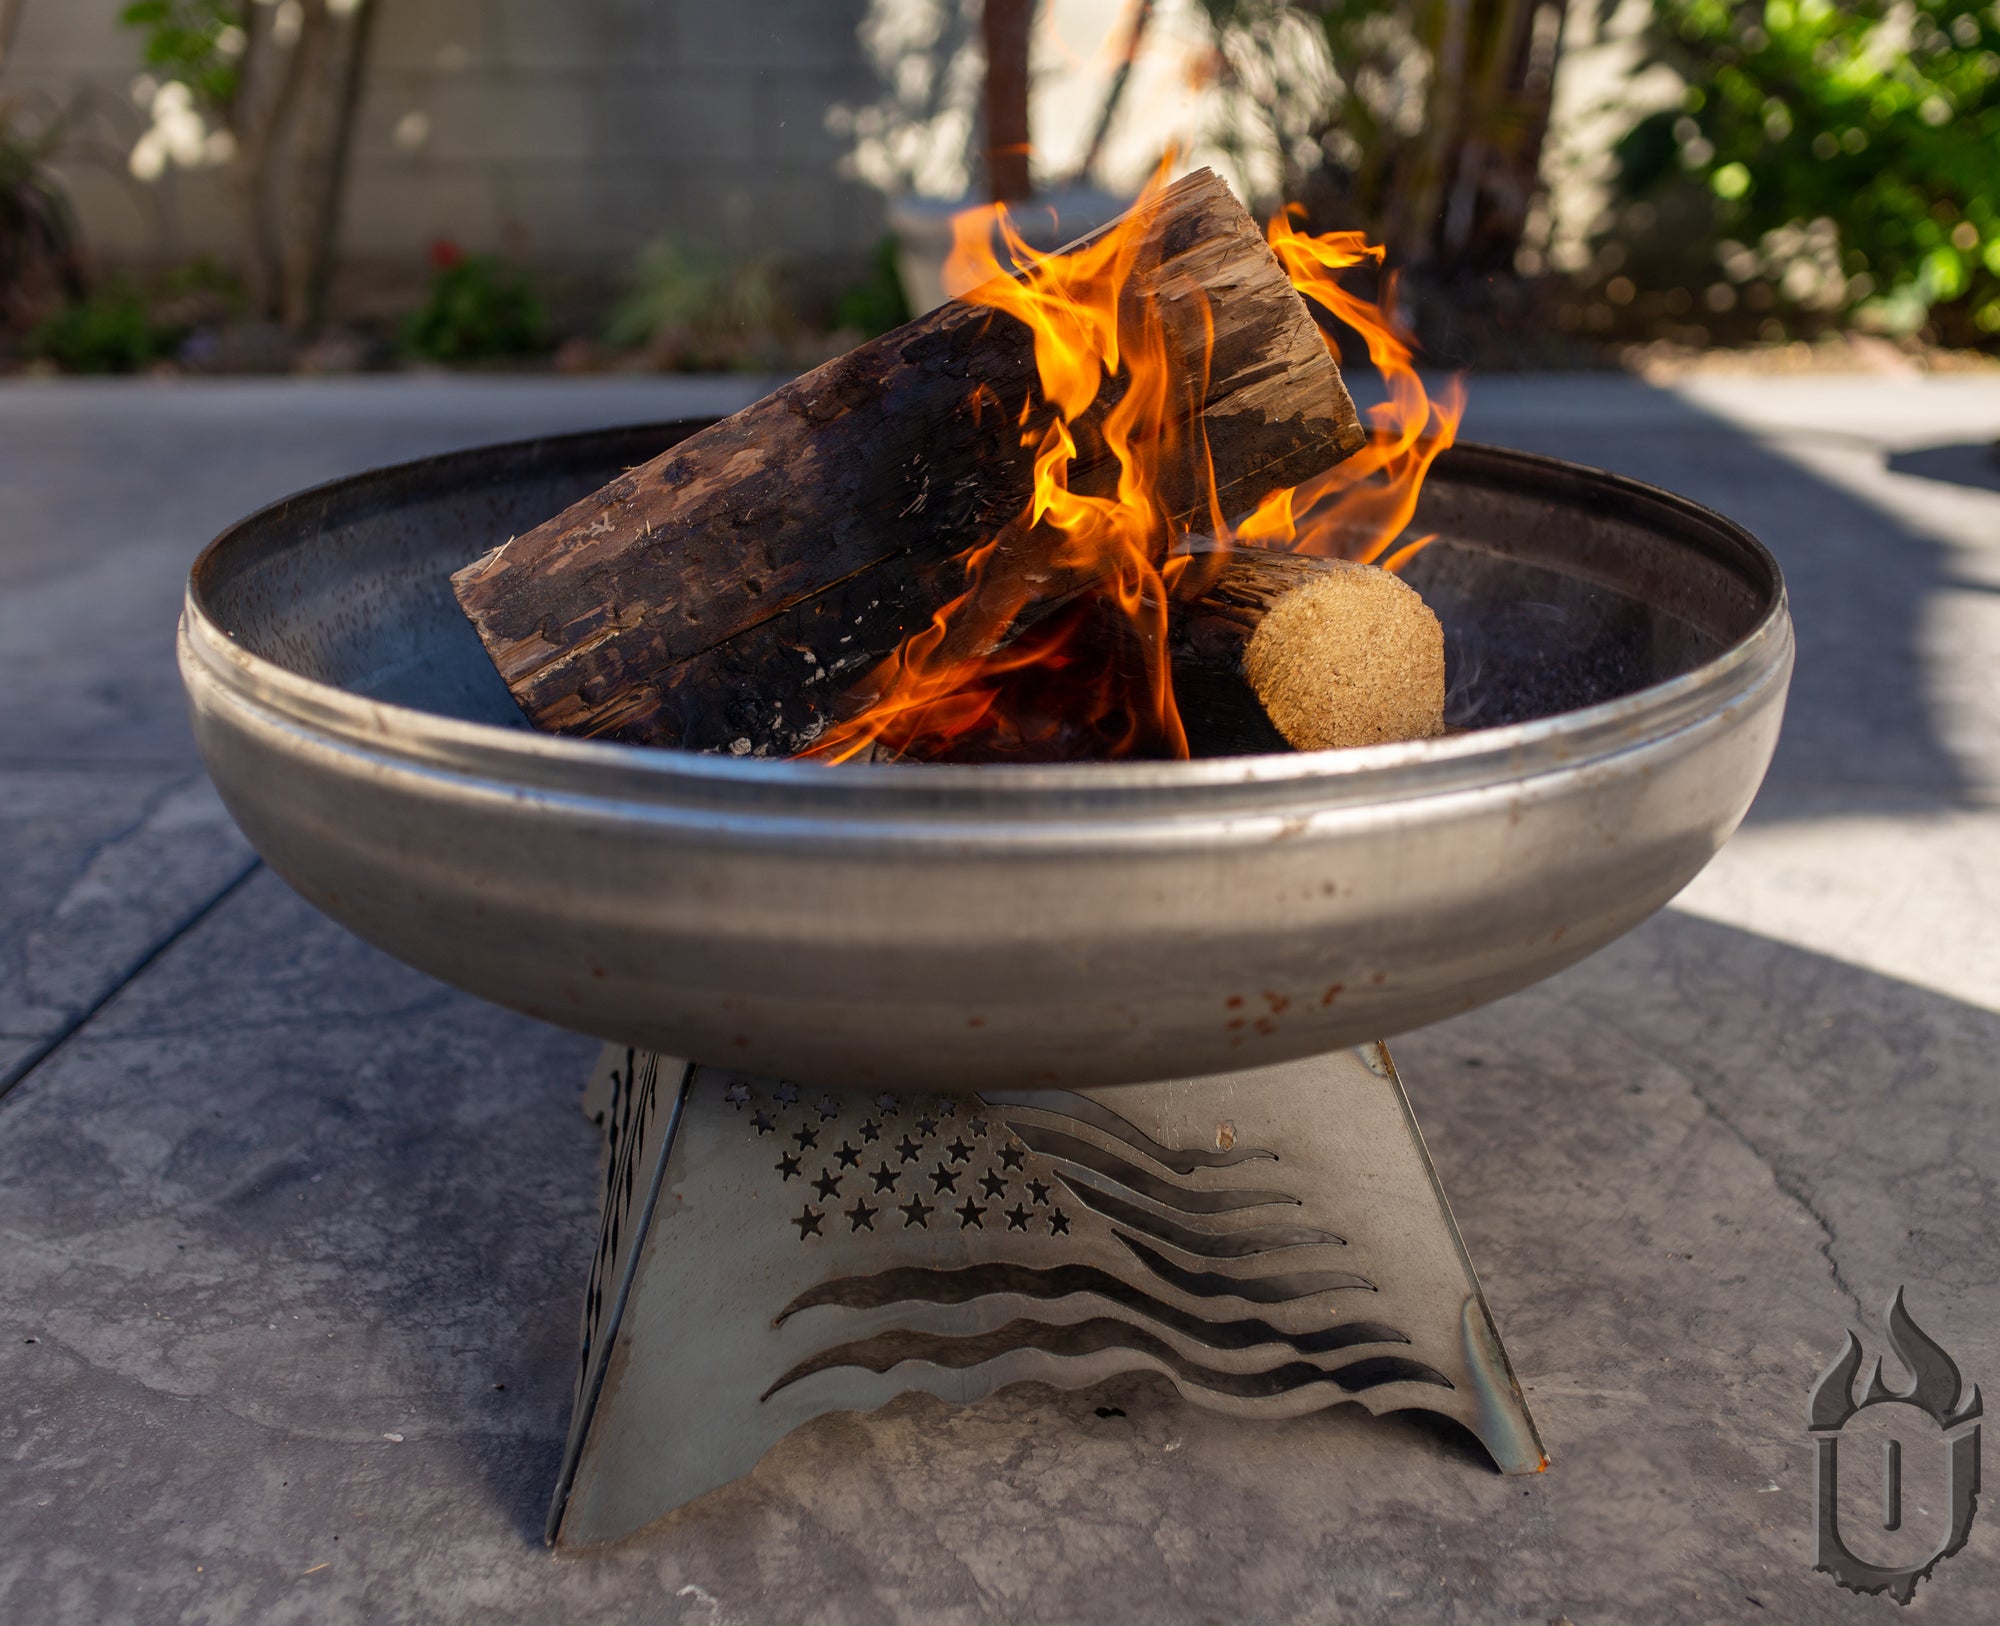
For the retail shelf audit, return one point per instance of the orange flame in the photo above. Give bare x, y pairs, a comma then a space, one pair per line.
1358, 508
1057, 647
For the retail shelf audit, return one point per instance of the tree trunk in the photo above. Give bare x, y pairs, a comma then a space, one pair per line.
1008, 27
307, 150
10, 21
269, 85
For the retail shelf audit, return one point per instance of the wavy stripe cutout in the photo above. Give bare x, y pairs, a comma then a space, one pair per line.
1061, 1103
1212, 1284
1241, 1244
1080, 1338
915, 1284
1087, 1155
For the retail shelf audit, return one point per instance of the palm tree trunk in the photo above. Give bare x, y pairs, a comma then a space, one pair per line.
1422, 198
10, 21
1008, 26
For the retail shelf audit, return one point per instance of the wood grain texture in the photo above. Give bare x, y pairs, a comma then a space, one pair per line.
669, 607
1285, 651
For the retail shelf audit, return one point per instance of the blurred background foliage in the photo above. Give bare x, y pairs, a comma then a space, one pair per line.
1844, 159
41, 261
1421, 121
267, 91
478, 308
1755, 174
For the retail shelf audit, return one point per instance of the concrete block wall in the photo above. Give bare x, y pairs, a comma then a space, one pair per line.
565, 133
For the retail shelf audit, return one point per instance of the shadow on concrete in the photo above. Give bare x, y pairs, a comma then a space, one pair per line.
285, 1219
1969, 463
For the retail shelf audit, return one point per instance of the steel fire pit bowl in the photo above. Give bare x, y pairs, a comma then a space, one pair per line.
1619, 656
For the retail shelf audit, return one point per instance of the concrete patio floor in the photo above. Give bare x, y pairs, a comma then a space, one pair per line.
292, 1237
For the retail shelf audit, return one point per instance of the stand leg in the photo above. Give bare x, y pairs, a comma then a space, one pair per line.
1274, 1241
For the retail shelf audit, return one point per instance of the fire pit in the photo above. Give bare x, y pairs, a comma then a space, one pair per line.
930, 1145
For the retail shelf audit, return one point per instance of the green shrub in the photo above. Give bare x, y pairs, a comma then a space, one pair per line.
40, 251
478, 308
108, 331
190, 41
698, 313
877, 305
1851, 152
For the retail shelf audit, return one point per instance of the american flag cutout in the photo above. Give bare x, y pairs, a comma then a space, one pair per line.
1062, 1165
773, 1251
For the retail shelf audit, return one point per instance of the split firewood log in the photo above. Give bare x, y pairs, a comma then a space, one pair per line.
720, 596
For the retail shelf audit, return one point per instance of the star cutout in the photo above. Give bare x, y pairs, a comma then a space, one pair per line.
807, 1136
1058, 1223
1039, 1190
945, 1107
993, 1185
808, 1223
737, 1093
884, 1178
850, 1156
827, 1184
976, 1125
927, 1126
861, 1217
886, 1105
1017, 1218
827, 1108
943, 1179
1013, 1154
916, 1212
970, 1215
871, 1130
959, 1151
909, 1150
787, 1092
763, 1123
787, 1165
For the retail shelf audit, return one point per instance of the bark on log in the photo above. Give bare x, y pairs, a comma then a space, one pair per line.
809, 533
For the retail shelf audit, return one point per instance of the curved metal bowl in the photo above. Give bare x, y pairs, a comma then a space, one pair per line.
1620, 655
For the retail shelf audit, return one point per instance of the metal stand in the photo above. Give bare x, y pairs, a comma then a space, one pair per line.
1273, 1241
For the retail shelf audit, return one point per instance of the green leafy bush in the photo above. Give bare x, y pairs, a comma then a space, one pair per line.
478, 309
702, 314
110, 330
40, 252
1850, 152
198, 42
877, 305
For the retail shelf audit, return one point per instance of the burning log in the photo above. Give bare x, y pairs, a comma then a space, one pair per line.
1332, 654
1269, 652
804, 538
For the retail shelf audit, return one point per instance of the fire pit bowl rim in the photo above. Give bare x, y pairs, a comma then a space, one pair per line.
1040, 927
575, 768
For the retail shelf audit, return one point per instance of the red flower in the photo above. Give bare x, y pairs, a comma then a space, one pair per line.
445, 254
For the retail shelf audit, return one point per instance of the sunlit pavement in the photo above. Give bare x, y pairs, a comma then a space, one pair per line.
291, 1237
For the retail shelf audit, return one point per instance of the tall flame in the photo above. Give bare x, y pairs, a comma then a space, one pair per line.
1057, 647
